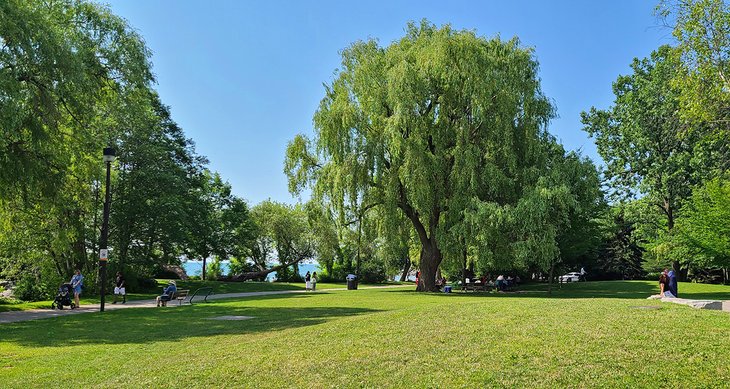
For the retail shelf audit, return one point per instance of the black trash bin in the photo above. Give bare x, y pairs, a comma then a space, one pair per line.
351, 283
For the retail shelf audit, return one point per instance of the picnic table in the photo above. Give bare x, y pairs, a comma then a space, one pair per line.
475, 286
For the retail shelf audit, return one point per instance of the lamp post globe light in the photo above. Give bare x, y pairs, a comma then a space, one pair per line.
109, 156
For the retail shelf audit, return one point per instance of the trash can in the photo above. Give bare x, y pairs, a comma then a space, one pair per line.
447, 289
351, 282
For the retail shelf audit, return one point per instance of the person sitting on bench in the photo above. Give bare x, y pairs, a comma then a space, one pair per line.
167, 294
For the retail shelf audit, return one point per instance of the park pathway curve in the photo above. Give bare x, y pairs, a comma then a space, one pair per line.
34, 314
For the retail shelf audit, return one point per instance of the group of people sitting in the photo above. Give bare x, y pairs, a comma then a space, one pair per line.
667, 285
501, 283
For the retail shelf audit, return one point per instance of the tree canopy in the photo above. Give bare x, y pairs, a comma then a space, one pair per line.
74, 78
446, 129
647, 146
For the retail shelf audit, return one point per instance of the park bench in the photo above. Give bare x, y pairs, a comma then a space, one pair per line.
474, 287
180, 296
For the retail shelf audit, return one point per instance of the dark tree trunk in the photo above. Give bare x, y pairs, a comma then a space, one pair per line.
463, 267
204, 260
430, 261
359, 237
676, 266
406, 269
550, 278
430, 253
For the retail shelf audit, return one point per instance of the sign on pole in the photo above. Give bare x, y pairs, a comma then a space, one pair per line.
103, 255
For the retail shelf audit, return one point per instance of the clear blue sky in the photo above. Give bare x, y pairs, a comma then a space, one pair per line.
243, 77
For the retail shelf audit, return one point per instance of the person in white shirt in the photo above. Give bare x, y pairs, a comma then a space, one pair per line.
500, 283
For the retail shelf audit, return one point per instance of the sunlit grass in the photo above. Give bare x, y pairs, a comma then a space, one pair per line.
383, 338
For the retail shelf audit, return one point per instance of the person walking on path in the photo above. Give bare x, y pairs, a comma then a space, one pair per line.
314, 281
120, 288
307, 281
77, 281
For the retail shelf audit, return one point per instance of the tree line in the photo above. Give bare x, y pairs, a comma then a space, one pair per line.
439, 142
432, 153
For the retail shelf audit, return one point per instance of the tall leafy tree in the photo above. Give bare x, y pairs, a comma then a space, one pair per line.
283, 238
61, 62
156, 176
705, 225
75, 78
66, 69
620, 254
702, 31
433, 128
646, 145
218, 220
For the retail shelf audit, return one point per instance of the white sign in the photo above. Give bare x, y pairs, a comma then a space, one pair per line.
103, 254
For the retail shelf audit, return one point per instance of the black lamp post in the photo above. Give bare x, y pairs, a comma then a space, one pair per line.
109, 155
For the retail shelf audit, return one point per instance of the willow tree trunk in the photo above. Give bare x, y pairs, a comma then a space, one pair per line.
463, 267
676, 266
430, 261
406, 269
550, 278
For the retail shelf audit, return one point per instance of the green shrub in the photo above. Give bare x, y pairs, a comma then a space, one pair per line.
29, 288
8, 300
288, 274
214, 270
372, 271
144, 283
238, 266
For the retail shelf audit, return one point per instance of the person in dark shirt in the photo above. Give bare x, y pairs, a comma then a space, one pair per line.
663, 281
120, 288
672, 283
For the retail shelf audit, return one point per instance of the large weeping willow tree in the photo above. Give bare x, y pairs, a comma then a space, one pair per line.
448, 129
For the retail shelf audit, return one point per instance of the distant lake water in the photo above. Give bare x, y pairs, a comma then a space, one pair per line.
195, 268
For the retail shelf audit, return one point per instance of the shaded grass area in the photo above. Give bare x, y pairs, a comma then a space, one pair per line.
631, 290
192, 285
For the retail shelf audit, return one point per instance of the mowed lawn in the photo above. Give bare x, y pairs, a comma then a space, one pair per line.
385, 338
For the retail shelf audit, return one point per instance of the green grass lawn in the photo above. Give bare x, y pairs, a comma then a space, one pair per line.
587, 334
192, 285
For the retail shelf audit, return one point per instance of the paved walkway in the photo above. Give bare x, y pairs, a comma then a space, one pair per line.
34, 314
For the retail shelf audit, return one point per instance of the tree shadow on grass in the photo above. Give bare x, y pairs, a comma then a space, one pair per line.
147, 325
598, 289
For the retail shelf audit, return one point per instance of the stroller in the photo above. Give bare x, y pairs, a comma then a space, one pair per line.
65, 292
